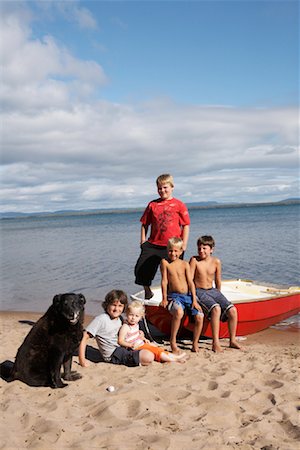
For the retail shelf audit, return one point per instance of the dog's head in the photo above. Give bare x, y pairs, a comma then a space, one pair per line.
69, 305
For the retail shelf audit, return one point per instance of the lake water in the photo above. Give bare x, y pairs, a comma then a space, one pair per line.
92, 254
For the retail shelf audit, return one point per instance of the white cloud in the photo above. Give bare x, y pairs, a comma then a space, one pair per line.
37, 73
70, 10
64, 149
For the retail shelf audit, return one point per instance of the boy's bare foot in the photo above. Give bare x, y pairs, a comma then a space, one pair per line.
148, 293
195, 348
235, 344
217, 348
175, 350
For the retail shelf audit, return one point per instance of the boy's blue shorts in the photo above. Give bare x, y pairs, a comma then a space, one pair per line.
183, 301
209, 298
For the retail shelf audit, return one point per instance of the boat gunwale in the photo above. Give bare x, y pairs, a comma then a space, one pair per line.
276, 292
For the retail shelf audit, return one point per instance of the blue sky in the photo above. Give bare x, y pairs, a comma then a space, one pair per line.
100, 97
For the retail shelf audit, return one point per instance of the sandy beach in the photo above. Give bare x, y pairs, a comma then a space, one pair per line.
234, 400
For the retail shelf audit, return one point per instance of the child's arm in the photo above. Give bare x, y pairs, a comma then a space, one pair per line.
218, 274
193, 266
142, 336
192, 288
144, 230
164, 283
81, 352
122, 335
185, 236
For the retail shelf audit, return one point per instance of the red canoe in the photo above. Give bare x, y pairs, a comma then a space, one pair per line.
259, 307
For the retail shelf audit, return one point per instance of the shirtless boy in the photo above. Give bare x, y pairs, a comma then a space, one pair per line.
178, 292
205, 270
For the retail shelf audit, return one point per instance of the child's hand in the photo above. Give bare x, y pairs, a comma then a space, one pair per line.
164, 303
84, 363
197, 306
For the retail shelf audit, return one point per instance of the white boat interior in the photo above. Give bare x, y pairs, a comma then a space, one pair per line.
236, 291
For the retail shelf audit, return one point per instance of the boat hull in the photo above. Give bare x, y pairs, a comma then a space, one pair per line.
253, 316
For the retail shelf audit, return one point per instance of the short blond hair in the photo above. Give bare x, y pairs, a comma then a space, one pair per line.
175, 242
136, 304
165, 178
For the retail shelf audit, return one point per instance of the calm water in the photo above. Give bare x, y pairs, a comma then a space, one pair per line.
93, 254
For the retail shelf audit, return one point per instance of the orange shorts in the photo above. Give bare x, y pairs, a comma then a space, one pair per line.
157, 351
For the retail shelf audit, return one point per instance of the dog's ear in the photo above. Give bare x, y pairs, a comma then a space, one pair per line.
56, 300
82, 298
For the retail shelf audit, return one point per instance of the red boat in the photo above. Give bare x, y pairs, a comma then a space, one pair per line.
259, 307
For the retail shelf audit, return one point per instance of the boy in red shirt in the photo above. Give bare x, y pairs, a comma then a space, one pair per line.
167, 217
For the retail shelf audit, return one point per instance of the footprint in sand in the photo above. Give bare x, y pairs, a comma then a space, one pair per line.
272, 399
274, 384
292, 430
212, 385
225, 394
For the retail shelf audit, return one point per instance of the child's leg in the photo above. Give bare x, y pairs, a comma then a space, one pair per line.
176, 321
215, 328
148, 293
146, 357
232, 324
197, 332
162, 355
171, 357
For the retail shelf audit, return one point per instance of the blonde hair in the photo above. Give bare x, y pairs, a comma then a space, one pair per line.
165, 178
136, 304
175, 242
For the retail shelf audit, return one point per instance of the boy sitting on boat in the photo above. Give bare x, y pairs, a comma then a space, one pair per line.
205, 270
178, 293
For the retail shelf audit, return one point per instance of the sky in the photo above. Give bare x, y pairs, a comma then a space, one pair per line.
100, 97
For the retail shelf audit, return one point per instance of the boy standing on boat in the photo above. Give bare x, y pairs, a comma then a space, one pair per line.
206, 270
178, 293
167, 217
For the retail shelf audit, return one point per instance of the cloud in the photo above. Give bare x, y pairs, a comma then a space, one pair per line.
65, 148
38, 73
70, 10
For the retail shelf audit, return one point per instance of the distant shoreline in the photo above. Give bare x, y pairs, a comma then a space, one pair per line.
191, 206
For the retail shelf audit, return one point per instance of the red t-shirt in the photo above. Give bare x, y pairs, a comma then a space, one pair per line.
166, 217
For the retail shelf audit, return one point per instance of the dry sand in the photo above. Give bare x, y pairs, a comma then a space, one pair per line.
234, 400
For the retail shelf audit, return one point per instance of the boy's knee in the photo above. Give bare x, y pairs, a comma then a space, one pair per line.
178, 313
146, 357
232, 312
216, 311
198, 318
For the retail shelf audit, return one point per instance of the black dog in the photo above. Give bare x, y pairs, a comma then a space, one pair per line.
50, 343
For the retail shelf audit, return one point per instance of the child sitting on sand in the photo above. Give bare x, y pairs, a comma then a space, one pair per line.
105, 328
206, 269
178, 292
131, 337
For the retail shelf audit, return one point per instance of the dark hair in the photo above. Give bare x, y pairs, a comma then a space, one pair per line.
114, 295
206, 240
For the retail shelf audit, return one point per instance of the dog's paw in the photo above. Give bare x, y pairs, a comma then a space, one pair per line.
59, 385
72, 376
